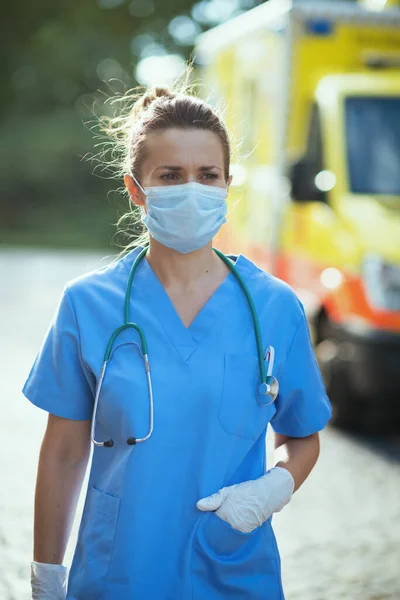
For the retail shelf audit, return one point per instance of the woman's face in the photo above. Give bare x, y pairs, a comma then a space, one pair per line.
177, 156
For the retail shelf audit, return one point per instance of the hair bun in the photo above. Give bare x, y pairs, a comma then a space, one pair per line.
151, 96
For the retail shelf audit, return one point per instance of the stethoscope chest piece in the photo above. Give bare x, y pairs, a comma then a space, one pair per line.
268, 391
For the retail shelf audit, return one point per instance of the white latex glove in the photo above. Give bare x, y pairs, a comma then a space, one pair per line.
49, 582
245, 506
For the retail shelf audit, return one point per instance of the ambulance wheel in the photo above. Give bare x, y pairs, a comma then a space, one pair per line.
345, 404
381, 418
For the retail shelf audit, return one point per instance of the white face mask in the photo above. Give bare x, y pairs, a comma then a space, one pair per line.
184, 217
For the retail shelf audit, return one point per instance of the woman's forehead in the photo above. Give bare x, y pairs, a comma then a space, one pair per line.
183, 147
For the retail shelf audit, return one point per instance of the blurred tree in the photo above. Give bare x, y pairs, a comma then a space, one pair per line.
57, 60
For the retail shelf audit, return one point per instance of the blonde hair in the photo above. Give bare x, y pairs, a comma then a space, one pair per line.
155, 109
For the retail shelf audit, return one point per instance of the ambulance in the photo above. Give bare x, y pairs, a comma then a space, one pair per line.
312, 97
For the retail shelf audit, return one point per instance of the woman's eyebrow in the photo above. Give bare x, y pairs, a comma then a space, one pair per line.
170, 168
177, 168
210, 168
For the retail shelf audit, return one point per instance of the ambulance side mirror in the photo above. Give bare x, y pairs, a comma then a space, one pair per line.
302, 177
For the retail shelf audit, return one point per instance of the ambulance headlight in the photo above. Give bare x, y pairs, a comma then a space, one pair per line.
382, 283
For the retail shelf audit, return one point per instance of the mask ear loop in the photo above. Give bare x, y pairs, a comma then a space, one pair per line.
143, 212
139, 186
227, 183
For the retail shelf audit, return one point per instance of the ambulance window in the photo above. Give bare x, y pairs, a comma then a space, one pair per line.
373, 144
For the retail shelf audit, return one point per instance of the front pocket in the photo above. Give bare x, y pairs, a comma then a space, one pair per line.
229, 564
240, 413
94, 547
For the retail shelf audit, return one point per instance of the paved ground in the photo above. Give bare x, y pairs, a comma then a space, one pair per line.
339, 537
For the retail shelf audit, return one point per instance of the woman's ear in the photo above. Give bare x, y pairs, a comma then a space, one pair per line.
228, 183
135, 193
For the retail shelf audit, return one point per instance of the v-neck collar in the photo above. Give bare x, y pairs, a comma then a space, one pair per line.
184, 339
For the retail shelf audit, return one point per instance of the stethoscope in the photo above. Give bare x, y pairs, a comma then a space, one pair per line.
268, 388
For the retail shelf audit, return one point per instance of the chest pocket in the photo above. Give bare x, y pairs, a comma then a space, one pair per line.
240, 412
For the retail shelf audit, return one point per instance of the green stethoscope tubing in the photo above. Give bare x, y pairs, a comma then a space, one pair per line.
127, 323
269, 385
257, 330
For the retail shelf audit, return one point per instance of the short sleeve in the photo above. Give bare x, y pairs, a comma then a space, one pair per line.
59, 381
302, 404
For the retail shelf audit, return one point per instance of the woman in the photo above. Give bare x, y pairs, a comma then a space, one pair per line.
183, 513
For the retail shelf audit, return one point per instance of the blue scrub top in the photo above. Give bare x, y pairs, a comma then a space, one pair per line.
141, 534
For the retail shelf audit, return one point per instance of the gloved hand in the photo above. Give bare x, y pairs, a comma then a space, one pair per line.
49, 582
245, 506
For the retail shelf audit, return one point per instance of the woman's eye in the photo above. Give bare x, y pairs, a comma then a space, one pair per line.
210, 176
169, 176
